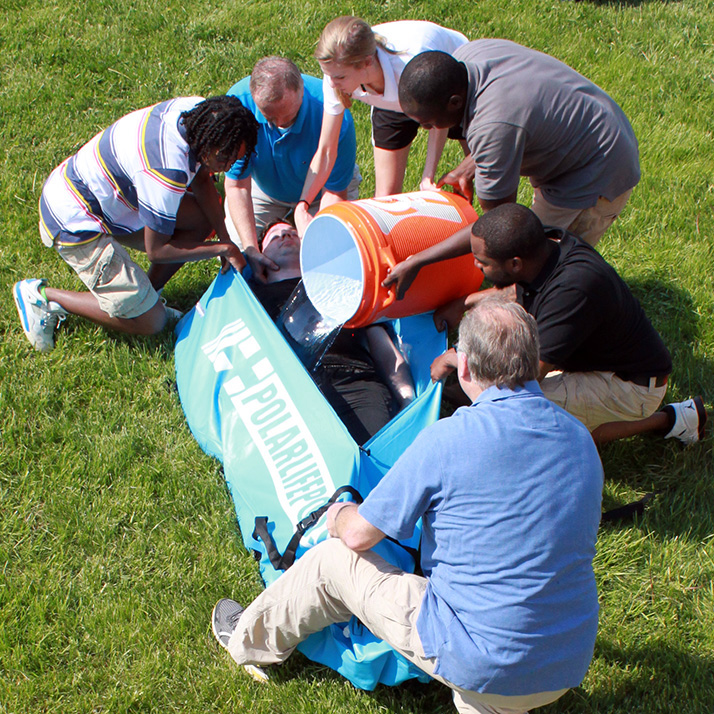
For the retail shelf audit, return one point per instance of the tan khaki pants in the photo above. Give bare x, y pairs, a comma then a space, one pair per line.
328, 585
588, 223
597, 398
121, 287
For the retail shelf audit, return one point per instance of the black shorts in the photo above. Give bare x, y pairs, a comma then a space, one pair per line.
394, 130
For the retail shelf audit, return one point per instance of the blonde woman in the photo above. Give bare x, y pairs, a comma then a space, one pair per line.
365, 63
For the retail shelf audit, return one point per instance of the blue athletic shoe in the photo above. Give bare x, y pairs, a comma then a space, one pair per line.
38, 316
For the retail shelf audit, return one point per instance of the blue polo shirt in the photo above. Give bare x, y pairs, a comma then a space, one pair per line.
282, 157
509, 490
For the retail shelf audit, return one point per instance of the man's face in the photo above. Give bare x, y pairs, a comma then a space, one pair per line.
498, 272
443, 118
217, 160
282, 113
282, 244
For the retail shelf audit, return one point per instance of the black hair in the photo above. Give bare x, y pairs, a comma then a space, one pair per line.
509, 231
220, 123
267, 228
430, 79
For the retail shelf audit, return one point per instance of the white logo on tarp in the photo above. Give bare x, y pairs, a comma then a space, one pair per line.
227, 337
276, 428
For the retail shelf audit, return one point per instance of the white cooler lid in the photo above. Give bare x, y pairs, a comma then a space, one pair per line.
332, 268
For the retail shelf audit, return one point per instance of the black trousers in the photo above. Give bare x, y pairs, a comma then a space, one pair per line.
360, 399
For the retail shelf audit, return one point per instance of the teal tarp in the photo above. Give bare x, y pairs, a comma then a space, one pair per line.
250, 403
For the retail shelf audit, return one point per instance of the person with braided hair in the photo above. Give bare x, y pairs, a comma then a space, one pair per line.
145, 182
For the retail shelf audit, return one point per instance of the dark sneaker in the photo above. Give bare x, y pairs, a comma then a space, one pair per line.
690, 418
224, 619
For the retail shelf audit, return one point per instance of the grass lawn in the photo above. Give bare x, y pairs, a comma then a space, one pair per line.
117, 534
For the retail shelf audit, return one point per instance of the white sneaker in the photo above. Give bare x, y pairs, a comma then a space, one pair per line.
173, 315
690, 419
38, 316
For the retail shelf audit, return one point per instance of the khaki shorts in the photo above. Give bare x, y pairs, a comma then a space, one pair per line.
588, 223
121, 287
596, 398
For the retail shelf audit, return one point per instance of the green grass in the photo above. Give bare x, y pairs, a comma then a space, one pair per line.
117, 534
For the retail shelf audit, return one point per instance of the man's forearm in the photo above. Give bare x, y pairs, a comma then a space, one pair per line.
487, 205
507, 294
207, 197
357, 533
165, 249
403, 274
331, 197
434, 149
240, 210
454, 246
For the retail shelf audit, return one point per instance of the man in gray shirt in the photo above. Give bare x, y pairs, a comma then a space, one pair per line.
524, 113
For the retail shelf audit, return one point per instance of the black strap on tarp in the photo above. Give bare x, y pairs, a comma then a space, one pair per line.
629, 510
284, 561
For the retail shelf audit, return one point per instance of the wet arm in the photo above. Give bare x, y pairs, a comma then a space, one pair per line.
391, 365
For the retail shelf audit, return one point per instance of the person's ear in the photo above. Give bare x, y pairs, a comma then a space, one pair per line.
462, 368
367, 61
515, 266
455, 104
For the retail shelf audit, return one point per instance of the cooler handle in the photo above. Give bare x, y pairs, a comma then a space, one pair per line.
387, 255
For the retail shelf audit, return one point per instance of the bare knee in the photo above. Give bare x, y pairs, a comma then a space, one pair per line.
151, 322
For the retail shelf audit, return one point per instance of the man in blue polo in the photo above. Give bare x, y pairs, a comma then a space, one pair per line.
508, 491
288, 107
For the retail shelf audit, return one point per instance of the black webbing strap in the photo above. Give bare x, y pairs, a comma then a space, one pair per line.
629, 510
284, 561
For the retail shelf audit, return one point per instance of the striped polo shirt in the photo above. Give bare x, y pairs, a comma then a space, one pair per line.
129, 176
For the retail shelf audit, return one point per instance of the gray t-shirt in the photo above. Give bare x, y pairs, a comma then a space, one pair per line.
528, 114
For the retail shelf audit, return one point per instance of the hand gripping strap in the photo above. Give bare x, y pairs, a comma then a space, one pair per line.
284, 561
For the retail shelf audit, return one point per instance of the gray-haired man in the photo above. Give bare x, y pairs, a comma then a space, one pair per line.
508, 491
288, 106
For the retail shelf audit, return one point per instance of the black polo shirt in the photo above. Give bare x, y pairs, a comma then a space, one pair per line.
588, 320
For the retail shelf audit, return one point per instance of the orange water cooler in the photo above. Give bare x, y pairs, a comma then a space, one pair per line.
349, 247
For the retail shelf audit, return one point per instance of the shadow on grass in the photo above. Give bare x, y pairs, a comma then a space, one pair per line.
79, 334
655, 678
411, 696
639, 681
684, 503
629, 3
673, 313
